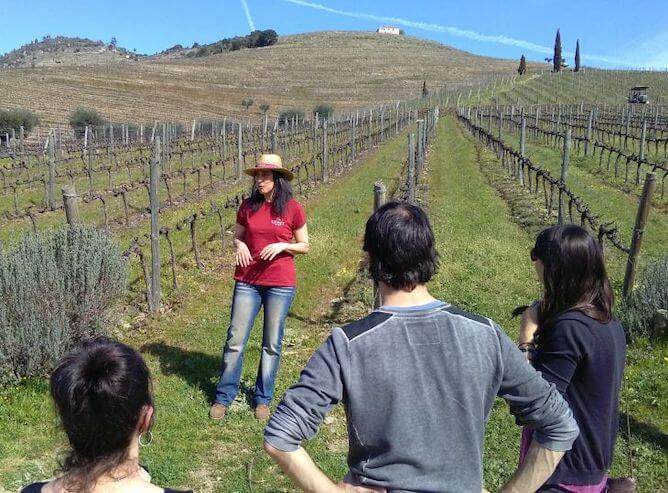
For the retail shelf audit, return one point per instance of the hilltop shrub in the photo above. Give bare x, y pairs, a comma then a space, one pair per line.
256, 39
14, 119
81, 117
55, 290
324, 111
286, 116
651, 294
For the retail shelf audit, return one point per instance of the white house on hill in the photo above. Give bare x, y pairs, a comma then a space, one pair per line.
388, 30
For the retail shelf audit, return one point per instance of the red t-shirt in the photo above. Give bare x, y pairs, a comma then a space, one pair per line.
262, 228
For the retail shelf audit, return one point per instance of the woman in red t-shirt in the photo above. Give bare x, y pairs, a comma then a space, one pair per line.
270, 230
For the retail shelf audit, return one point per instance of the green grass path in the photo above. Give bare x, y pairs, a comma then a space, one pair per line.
183, 352
485, 264
605, 198
486, 268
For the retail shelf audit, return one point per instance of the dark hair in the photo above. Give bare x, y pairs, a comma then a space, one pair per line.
401, 246
282, 195
99, 390
574, 274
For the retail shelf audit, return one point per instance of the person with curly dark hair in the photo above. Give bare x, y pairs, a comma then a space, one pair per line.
418, 378
102, 395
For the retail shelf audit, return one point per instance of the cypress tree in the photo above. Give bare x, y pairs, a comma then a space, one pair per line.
523, 66
556, 60
577, 56
425, 92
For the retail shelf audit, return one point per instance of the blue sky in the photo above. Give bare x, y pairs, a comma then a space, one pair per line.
612, 33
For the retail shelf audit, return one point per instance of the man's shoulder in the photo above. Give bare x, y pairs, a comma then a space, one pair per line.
468, 316
363, 325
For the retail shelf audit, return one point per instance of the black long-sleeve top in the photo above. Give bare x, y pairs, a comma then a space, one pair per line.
585, 360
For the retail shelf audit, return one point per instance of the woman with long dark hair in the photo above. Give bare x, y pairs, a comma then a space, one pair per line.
574, 341
270, 230
102, 395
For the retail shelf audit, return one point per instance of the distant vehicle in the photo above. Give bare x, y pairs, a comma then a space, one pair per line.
638, 95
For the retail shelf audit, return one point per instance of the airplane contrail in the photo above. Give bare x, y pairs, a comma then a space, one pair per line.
251, 24
455, 31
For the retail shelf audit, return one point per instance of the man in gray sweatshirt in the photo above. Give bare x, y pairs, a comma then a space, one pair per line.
418, 378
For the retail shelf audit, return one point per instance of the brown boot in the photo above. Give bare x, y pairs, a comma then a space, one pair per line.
262, 412
217, 411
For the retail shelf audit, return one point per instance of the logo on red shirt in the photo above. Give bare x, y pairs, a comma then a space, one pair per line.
278, 222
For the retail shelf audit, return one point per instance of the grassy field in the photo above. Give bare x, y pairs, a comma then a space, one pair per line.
484, 233
183, 350
609, 198
496, 236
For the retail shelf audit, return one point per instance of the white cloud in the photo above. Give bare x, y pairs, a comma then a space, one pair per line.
463, 33
251, 24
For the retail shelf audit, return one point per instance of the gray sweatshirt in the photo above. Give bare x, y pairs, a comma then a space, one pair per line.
418, 385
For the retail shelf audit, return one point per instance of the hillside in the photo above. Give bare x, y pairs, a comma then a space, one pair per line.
345, 69
66, 51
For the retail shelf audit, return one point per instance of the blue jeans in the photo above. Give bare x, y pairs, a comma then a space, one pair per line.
246, 302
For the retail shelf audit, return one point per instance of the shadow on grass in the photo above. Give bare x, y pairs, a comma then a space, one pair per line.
198, 369
195, 367
643, 432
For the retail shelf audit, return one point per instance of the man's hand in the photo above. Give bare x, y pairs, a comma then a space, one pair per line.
349, 488
538, 466
242, 255
529, 323
271, 250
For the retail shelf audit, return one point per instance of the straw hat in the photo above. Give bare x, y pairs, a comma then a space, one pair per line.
270, 162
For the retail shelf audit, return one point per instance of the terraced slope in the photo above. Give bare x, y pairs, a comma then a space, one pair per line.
346, 69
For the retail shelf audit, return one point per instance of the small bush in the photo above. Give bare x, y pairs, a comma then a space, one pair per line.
635, 312
14, 119
81, 117
324, 111
287, 115
56, 289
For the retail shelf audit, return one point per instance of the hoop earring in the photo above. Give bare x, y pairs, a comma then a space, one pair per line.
149, 434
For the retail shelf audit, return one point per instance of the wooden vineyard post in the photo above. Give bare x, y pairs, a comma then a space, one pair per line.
396, 119
523, 132
71, 204
565, 161
638, 231
368, 139
589, 127
643, 138
22, 140
51, 190
154, 294
273, 141
379, 198
501, 126
420, 144
239, 153
325, 152
411, 168
353, 130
